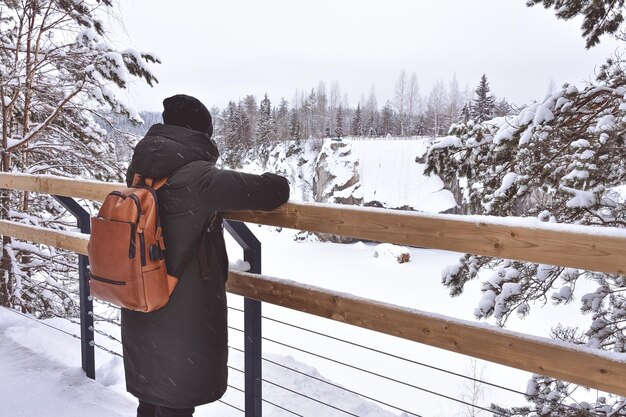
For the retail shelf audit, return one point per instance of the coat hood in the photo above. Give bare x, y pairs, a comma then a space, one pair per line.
166, 148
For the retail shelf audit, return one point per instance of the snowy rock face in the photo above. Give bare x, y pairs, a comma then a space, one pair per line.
336, 177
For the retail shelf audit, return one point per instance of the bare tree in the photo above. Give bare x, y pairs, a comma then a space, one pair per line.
400, 102
437, 110
413, 102
473, 390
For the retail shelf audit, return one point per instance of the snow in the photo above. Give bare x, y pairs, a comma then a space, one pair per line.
580, 143
587, 154
41, 365
446, 142
542, 114
390, 175
581, 198
606, 123
507, 182
87, 36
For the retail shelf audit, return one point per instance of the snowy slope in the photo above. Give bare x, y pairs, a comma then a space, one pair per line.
389, 174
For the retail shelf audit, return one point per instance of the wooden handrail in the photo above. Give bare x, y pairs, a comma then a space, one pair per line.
588, 367
50, 184
584, 247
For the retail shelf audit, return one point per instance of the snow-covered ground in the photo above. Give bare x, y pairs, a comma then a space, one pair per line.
40, 375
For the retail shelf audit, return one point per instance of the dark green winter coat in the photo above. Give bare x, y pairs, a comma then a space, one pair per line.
177, 356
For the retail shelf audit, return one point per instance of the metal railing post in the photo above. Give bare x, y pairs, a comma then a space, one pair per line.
87, 342
252, 321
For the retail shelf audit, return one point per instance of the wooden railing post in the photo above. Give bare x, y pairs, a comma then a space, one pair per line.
252, 321
87, 342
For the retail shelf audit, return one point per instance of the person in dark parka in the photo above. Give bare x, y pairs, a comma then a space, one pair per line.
175, 358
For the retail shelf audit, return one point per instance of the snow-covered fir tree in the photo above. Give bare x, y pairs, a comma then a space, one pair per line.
294, 129
58, 80
387, 120
484, 103
339, 123
265, 133
356, 127
283, 120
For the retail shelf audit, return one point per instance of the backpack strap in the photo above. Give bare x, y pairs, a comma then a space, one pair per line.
139, 180
159, 183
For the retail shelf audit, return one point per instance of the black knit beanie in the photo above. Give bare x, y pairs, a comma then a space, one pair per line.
187, 111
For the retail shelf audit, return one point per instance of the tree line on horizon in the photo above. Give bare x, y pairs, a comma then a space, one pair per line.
325, 113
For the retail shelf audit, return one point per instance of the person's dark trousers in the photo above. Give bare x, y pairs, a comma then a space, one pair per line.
151, 410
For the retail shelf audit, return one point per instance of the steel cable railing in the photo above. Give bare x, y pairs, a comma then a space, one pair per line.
553, 402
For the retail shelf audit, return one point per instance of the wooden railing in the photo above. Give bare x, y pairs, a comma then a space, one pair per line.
581, 247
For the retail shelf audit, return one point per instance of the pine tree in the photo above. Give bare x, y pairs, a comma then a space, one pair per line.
251, 110
282, 120
265, 133
484, 103
370, 128
295, 133
387, 122
339, 123
244, 127
357, 127
466, 114
231, 146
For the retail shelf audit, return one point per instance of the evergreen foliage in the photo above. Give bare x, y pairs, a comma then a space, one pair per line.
339, 123
265, 129
357, 127
599, 16
295, 126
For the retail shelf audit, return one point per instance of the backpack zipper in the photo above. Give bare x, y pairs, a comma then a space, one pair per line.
106, 281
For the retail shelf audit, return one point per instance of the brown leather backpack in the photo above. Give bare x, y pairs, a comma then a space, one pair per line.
126, 249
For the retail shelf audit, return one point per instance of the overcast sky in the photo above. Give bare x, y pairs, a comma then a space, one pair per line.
220, 50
